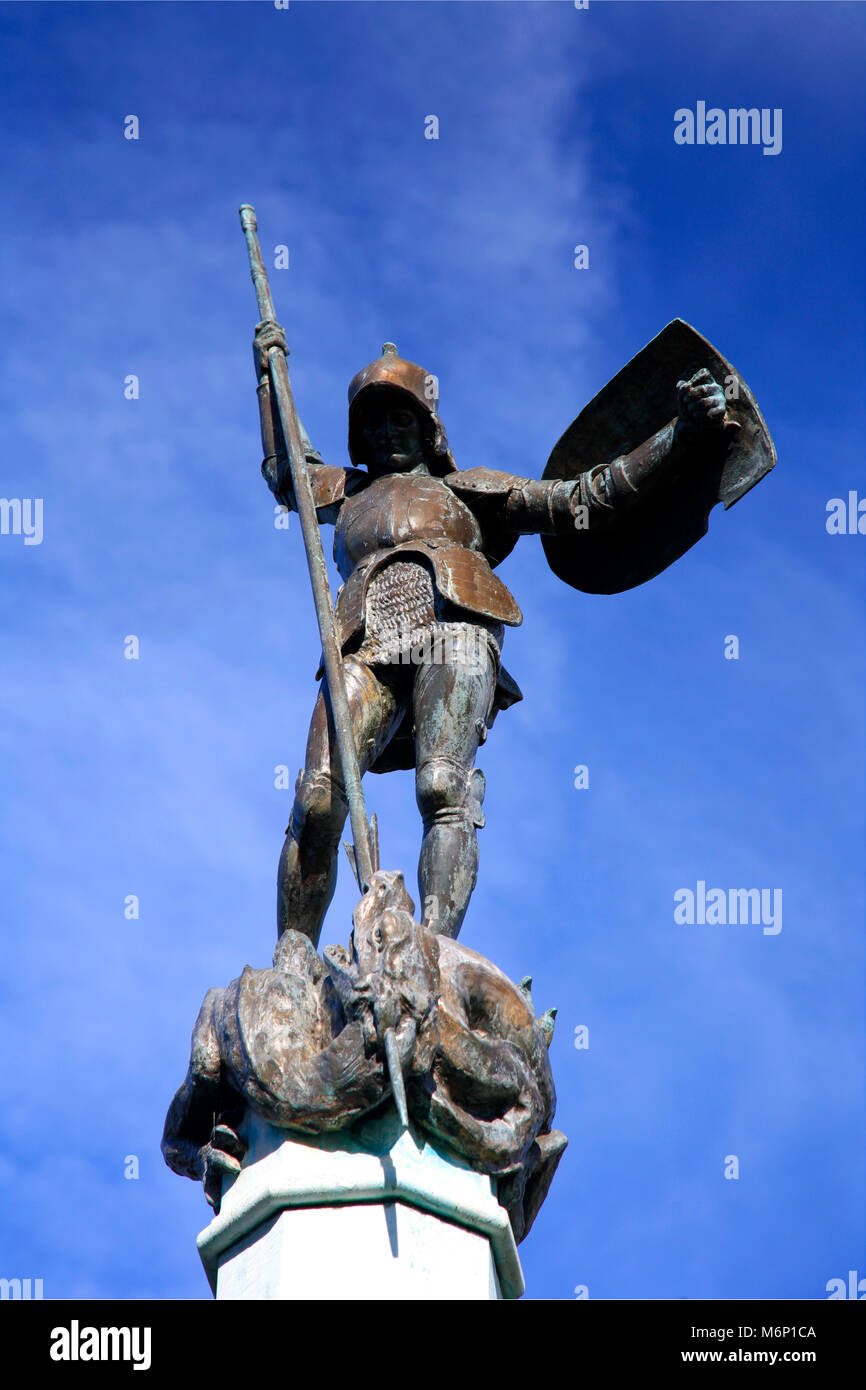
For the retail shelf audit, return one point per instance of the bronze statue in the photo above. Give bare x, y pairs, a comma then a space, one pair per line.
413, 678
421, 615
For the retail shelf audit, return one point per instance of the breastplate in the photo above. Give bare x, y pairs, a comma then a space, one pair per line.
399, 508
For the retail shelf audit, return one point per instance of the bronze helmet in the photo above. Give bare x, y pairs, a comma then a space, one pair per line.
394, 374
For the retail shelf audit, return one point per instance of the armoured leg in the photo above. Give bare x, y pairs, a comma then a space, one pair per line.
451, 707
307, 874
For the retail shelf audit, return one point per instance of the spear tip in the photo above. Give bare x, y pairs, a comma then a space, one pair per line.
395, 1076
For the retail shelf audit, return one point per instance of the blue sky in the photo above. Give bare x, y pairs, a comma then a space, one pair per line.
156, 777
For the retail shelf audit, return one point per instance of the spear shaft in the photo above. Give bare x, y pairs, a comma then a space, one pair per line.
336, 686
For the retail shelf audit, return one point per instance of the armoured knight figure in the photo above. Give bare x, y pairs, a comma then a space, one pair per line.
421, 614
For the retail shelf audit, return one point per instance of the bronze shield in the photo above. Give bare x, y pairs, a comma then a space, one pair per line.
638, 402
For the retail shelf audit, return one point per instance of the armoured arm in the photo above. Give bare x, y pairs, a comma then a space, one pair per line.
524, 506
330, 484
515, 506
608, 491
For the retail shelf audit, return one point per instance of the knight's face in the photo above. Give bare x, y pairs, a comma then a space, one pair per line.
392, 434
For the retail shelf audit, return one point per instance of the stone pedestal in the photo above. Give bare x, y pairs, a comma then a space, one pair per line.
370, 1213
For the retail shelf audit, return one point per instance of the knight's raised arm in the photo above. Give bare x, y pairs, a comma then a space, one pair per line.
524, 506
329, 483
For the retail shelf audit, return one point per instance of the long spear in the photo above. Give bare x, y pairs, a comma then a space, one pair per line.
366, 854
364, 848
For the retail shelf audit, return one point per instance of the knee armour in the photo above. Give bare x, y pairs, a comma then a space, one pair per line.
320, 805
448, 792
